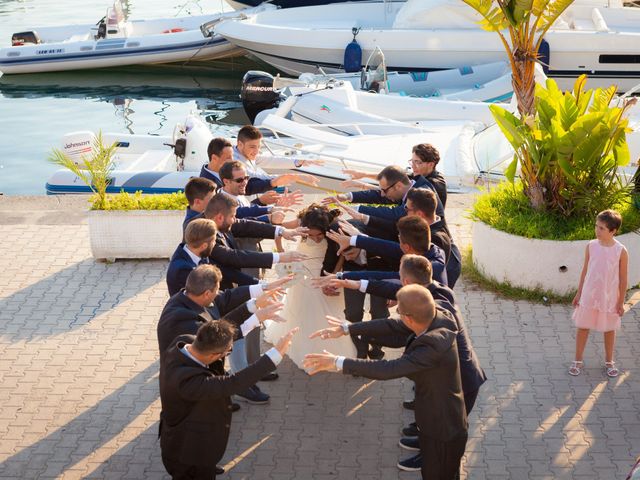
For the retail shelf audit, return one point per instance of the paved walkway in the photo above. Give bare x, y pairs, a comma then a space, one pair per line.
79, 386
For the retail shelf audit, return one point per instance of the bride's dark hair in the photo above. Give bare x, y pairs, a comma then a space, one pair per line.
318, 217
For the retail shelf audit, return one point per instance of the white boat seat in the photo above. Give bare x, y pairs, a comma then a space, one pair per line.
82, 37
151, 161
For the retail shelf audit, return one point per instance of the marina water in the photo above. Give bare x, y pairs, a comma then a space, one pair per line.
36, 110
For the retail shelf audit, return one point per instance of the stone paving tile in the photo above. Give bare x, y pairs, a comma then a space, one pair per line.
79, 393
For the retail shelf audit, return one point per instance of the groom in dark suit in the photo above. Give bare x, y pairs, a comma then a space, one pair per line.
430, 359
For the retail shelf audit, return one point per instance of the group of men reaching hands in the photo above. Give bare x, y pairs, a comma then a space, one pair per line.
401, 251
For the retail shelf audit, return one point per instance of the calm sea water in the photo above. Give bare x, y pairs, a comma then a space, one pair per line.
36, 110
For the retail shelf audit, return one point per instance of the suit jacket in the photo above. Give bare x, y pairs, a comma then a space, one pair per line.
397, 211
431, 361
229, 257
440, 184
471, 373
189, 215
181, 315
392, 253
204, 173
180, 266
196, 404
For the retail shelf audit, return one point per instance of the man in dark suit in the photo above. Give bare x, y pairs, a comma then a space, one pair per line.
394, 184
198, 192
219, 151
415, 269
201, 300
200, 236
430, 359
222, 210
196, 398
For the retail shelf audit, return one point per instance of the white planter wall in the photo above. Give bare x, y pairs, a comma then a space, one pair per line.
135, 233
548, 264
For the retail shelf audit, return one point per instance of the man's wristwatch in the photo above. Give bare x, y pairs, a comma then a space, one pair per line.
345, 328
339, 275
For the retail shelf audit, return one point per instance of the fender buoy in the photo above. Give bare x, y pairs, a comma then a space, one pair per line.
174, 30
353, 54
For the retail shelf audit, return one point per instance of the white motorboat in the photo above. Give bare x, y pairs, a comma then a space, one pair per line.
115, 41
483, 83
596, 37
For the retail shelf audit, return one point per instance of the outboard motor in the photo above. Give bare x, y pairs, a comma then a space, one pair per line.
257, 93
25, 38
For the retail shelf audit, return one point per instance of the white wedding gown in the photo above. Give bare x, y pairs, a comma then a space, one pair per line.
306, 307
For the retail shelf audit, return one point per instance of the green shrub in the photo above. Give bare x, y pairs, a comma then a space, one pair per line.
138, 201
506, 208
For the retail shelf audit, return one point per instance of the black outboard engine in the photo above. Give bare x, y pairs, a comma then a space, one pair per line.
257, 93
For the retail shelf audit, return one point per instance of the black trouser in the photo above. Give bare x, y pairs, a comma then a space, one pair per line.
180, 471
354, 312
441, 460
454, 266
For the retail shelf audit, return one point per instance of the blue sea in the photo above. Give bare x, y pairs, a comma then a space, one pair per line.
36, 110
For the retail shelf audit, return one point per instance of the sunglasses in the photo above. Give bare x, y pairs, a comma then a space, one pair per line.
242, 179
385, 190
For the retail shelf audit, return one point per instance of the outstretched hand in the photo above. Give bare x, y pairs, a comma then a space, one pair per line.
347, 228
319, 362
290, 199
341, 239
280, 283
285, 342
270, 312
335, 331
269, 297
341, 197
289, 178
291, 233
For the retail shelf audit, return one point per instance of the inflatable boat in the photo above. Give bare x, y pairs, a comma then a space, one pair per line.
162, 164
115, 41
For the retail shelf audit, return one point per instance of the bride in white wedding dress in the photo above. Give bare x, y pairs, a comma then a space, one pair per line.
306, 306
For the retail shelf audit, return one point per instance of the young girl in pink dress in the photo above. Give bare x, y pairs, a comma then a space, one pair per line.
599, 303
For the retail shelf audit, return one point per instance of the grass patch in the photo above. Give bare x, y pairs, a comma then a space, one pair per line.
507, 209
138, 201
471, 273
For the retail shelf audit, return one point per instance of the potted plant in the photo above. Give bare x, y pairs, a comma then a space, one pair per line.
568, 151
125, 225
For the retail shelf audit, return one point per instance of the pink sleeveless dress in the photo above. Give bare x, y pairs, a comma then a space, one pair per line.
597, 306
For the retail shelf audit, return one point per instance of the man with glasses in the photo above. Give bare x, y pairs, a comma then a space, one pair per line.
424, 160
394, 185
196, 397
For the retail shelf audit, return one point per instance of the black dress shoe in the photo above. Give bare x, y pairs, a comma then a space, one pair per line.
409, 405
411, 464
410, 443
270, 377
411, 430
234, 407
219, 470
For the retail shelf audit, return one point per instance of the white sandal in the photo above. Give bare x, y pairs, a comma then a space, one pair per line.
576, 368
612, 370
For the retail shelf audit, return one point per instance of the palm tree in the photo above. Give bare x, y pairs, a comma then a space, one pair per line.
521, 26
94, 169
526, 22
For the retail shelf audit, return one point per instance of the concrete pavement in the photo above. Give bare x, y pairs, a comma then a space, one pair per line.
79, 387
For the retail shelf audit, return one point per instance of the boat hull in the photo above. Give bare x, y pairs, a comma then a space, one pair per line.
75, 47
295, 49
